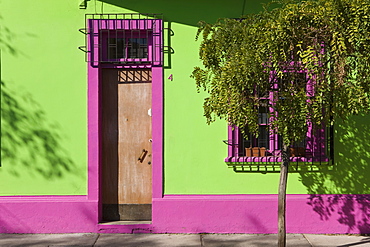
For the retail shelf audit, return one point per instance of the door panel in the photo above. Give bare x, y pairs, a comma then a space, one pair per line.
126, 144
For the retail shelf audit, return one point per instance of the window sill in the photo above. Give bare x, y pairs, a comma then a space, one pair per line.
274, 159
271, 164
127, 60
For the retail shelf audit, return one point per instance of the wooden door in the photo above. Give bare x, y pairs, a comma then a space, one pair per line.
126, 144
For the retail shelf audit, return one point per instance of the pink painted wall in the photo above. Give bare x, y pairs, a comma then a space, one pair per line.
329, 214
48, 214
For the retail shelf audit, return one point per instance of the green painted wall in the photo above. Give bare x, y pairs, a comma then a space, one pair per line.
44, 147
44, 117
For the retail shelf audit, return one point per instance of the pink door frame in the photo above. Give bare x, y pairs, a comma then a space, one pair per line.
94, 67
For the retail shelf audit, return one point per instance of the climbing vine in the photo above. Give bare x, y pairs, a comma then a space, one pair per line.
328, 40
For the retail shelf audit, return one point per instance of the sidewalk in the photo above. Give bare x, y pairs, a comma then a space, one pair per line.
183, 240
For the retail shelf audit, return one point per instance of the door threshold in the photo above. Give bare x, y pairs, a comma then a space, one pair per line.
127, 222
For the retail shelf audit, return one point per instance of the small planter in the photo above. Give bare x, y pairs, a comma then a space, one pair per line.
298, 152
262, 152
256, 152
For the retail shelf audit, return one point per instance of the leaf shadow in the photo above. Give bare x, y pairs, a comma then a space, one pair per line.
344, 192
28, 140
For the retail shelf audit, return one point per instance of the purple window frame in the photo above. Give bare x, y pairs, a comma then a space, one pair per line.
101, 30
126, 35
315, 143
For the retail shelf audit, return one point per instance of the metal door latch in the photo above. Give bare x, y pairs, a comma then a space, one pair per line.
142, 155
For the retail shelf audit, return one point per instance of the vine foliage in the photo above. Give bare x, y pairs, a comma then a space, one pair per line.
327, 39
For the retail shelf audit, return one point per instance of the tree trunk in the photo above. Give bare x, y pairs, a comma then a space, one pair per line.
282, 196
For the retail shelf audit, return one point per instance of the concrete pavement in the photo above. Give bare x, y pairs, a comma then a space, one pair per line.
183, 240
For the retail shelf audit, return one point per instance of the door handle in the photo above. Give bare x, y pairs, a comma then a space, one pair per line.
142, 155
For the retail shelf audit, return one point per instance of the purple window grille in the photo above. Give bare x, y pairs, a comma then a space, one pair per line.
316, 148
124, 41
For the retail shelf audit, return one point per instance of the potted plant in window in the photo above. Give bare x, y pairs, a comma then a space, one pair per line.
255, 151
262, 151
248, 152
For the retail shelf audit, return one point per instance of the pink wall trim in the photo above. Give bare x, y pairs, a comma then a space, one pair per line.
93, 133
317, 214
157, 134
258, 214
47, 214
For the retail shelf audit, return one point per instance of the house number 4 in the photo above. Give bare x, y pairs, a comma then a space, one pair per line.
170, 77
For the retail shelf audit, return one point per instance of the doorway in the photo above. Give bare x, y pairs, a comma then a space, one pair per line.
126, 134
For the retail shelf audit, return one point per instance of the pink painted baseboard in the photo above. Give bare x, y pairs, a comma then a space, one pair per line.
47, 214
315, 214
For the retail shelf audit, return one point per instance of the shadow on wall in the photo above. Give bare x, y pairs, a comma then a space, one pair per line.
5, 40
190, 12
28, 140
348, 185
